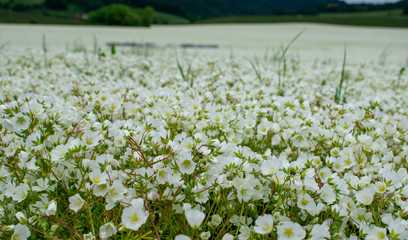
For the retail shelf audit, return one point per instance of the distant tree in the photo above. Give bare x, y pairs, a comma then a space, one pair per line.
118, 14
147, 16
56, 4
405, 7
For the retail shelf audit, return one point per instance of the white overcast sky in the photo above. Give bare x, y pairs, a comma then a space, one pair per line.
371, 1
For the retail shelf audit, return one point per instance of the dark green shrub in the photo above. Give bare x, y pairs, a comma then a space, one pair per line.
19, 7
122, 15
56, 4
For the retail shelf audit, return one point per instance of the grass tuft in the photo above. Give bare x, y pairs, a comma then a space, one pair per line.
337, 97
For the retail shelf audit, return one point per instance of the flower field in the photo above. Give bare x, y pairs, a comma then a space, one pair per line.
165, 146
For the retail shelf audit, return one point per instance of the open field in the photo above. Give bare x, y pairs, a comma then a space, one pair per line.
304, 141
317, 42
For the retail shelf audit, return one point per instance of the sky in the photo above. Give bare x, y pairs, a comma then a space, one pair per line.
371, 1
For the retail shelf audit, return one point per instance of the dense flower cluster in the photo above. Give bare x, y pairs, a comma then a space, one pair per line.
123, 147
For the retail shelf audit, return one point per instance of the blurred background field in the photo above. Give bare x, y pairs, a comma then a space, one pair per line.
318, 41
371, 31
388, 14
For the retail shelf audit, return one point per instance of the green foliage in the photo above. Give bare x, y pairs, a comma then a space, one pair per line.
405, 7
337, 97
56, 4
388, 18
123, 15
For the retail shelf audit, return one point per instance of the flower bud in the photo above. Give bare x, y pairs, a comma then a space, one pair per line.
228, 236
216, 220
21, 218
8, 228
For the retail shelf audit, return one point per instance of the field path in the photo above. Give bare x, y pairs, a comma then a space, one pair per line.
318, 41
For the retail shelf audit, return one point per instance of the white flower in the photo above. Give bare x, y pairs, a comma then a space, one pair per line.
20, 192
244, 232
51, 209
134, 216
314, 209
107, 230
320, 231
263, 128
186, 165
182, 237
89, 236
98, 177
194, 217
76, 202
58, 153
100, 190
42, 185
380, 187
264, 224
91, 139
327, 194
271, 166
21, 232
245, 192
304, 200
365, 196
117, 190
290, 231
36, 108
378, 234
20, 122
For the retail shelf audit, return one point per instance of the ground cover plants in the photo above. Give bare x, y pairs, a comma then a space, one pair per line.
122, 146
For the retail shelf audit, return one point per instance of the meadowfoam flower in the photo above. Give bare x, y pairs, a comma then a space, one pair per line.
227, 236
135, 216
304, 200
182, 237
327, 194
365, 196
194, 217
107, 230
20, 122
89, 236
244, 232
98, 177
21, 232
42, 185
91, 139
264, 224
76, 202
320, 231
377, 234
58, 153
186, 165
20, 192
380, 187
290, 231
52, 208
271, 166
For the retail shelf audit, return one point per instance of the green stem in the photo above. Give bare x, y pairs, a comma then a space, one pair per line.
91, 220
